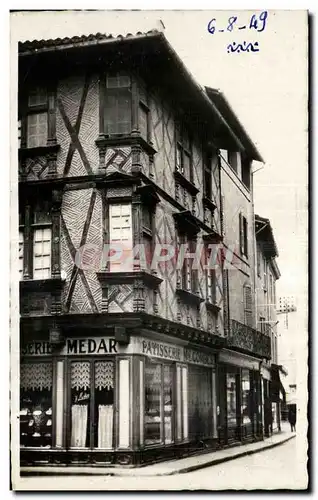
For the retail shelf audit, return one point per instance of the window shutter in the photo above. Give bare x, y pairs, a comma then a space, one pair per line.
247, 291
241, 233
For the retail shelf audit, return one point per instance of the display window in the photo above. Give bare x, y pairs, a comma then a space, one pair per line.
36, 404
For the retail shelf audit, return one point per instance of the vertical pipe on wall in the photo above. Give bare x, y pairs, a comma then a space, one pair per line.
214, 404
59, 406
124, 404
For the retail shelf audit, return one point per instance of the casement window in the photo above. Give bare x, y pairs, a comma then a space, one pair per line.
248, 305
36, 404
21, 237
118, 105
143, 112
258, 260
147, 232
208, 177
92, 391
37, 231
243, 229
120, 236
265, 274
211, 286
37, 118
246, 171
232, 160
159, 403
262, 326
184, 154
189, 275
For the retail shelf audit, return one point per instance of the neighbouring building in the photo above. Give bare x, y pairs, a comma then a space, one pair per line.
123, 362
267, 273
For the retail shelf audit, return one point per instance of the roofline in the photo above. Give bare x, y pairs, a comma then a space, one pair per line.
258, 156
102, 40
267, 223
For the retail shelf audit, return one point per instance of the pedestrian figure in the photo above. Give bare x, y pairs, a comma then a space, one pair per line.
292, 417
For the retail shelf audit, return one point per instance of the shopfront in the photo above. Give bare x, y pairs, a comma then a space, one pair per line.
94, 401
239, 398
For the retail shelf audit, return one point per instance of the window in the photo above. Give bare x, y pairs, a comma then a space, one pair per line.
184, 156
248, 305
231, 399
118, 105
211, 278
262, 324
120, 221
143, 113
208, 177
188, 274
247, 395
36, 404
158, 403
265, 274
246, 171
232, 159
258, 260
19, 133
147, 219
39, 237
37, 118
243, 235
21, 253
92, 425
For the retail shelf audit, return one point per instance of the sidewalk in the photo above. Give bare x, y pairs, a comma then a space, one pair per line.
172, 466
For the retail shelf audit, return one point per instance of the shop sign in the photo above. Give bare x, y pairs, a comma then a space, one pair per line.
175, 353
98, 346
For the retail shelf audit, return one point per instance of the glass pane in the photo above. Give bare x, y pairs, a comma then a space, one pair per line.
37, 130
231, 399
21, 237
37, 97
152, 403
104, 404
36, 404
118, 113
117, 80
247, 410
186, 165
167, 402
80, 404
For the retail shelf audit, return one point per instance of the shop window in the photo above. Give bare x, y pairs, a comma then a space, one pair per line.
158, 403
92, 381
247, 394
36, 404
120, 235
231, 395
118, 105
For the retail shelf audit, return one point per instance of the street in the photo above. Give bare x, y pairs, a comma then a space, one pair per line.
277, 468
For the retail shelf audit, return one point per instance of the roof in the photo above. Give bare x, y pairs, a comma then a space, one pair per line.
153, 52
224, 107
265, 235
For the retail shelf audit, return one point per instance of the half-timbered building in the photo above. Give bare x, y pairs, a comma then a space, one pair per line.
122, 361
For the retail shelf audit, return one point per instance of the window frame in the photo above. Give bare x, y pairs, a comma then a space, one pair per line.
243, 232
68, 417
110, 207
189, 275
182, 151
233, 164
116, 92
207, 169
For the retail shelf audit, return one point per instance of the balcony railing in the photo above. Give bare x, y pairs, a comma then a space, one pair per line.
248, 339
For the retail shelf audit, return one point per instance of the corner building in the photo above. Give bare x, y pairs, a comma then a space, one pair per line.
122, 364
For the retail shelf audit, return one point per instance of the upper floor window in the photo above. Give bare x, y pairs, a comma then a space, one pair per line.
36, 231
246, 170
143, 112
189, 275
258, 260
248, 305
120, 236
184, 155
233, 161
118, 104
208, 176
243, 235
37, 118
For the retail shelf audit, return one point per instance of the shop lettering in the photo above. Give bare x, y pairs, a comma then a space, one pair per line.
161, 350
82, 396
91, 346
36, 349
197, 357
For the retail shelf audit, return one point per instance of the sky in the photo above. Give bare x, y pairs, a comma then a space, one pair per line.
267, 89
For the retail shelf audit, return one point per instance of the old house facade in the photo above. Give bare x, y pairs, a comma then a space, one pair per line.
123, 361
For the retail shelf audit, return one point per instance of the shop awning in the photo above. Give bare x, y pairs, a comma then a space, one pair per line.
277, 392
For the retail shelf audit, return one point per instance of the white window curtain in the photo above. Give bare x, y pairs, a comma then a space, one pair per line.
79, 426
42, 253
105, 426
